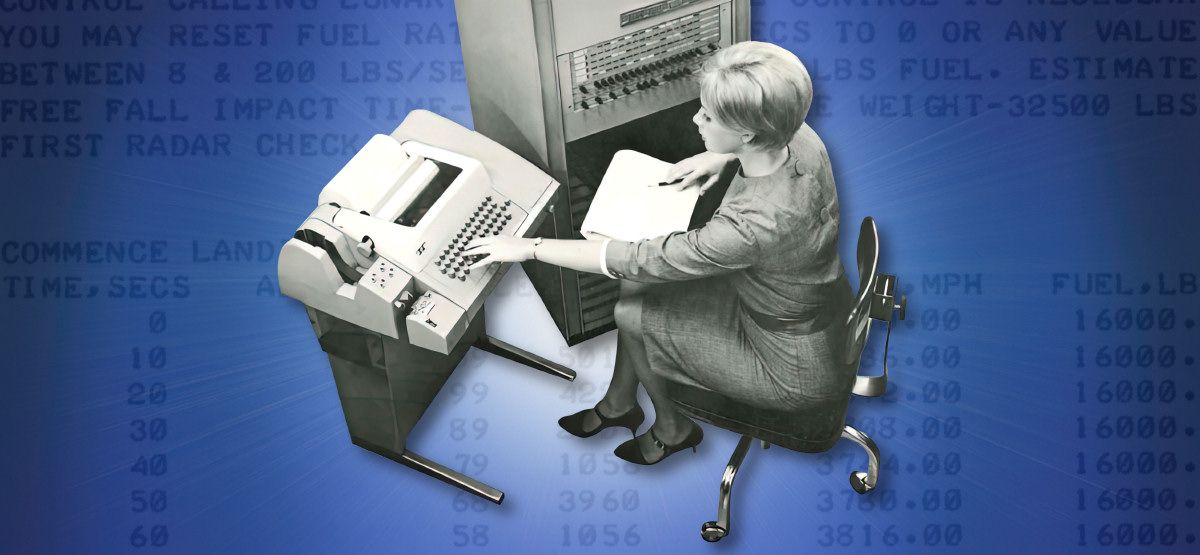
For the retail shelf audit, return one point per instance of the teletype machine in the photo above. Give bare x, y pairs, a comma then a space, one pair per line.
379, 266
567, 83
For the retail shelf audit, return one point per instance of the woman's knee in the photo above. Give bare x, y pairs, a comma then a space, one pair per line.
628, 314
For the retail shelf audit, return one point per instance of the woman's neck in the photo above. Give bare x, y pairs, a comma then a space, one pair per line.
757, 163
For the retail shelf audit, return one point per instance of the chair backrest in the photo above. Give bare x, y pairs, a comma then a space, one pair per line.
858, 321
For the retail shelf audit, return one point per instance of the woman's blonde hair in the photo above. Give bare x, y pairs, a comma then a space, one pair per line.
759, 88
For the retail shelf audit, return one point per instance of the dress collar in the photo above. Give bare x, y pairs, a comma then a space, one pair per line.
790, 168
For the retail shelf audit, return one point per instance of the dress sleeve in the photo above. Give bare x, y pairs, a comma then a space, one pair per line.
735, 237
604, 259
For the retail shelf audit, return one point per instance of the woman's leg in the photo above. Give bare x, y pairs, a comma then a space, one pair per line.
622, 390
670, 425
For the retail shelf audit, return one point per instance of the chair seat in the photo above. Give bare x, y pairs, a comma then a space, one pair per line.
814, 430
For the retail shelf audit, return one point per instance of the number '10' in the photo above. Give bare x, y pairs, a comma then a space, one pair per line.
155, 358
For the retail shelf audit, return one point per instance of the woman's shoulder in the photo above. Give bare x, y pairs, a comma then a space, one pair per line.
808, 153
803, 194
806, 173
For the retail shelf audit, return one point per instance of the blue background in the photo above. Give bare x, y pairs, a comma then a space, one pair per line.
1016, 422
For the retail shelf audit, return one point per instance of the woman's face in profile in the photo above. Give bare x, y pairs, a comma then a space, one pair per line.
717, 137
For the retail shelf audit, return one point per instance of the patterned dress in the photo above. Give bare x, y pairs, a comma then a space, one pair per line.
751, 304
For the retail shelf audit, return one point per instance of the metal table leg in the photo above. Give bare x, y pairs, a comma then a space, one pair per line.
428, 467
517, 354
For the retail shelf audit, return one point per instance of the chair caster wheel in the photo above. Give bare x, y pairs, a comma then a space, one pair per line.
711, 532
858, 481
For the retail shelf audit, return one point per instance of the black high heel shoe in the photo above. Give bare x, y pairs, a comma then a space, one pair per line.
589, 422
632, 450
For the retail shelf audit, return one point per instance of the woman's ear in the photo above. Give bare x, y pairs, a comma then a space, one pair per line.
747, 137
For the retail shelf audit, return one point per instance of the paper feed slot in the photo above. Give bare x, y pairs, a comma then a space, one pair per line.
374, 176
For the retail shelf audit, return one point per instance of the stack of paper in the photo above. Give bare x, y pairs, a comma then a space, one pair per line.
629, 205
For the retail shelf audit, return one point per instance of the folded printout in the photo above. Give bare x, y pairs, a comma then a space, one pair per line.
629, 205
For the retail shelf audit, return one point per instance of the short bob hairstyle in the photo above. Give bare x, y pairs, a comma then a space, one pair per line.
757, 87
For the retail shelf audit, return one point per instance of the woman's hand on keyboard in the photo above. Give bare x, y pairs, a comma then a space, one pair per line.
498, 248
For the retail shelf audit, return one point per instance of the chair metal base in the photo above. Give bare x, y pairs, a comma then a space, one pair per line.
862, 482
714, 530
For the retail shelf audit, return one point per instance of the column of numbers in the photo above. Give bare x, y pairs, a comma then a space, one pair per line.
146, 395
469, 526
597, 499
923, 378
1131, 432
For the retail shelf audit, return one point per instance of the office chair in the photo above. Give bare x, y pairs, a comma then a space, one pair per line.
817, 429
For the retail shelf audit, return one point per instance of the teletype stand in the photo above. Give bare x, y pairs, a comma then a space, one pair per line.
386, 384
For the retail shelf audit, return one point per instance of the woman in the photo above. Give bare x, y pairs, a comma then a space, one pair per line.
757, 322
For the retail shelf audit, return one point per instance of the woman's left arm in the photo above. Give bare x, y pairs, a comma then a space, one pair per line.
737, 236
584, 255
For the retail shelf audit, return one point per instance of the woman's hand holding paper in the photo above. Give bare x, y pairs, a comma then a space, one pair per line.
702, 170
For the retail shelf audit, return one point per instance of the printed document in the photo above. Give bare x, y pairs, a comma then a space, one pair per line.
630, 205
